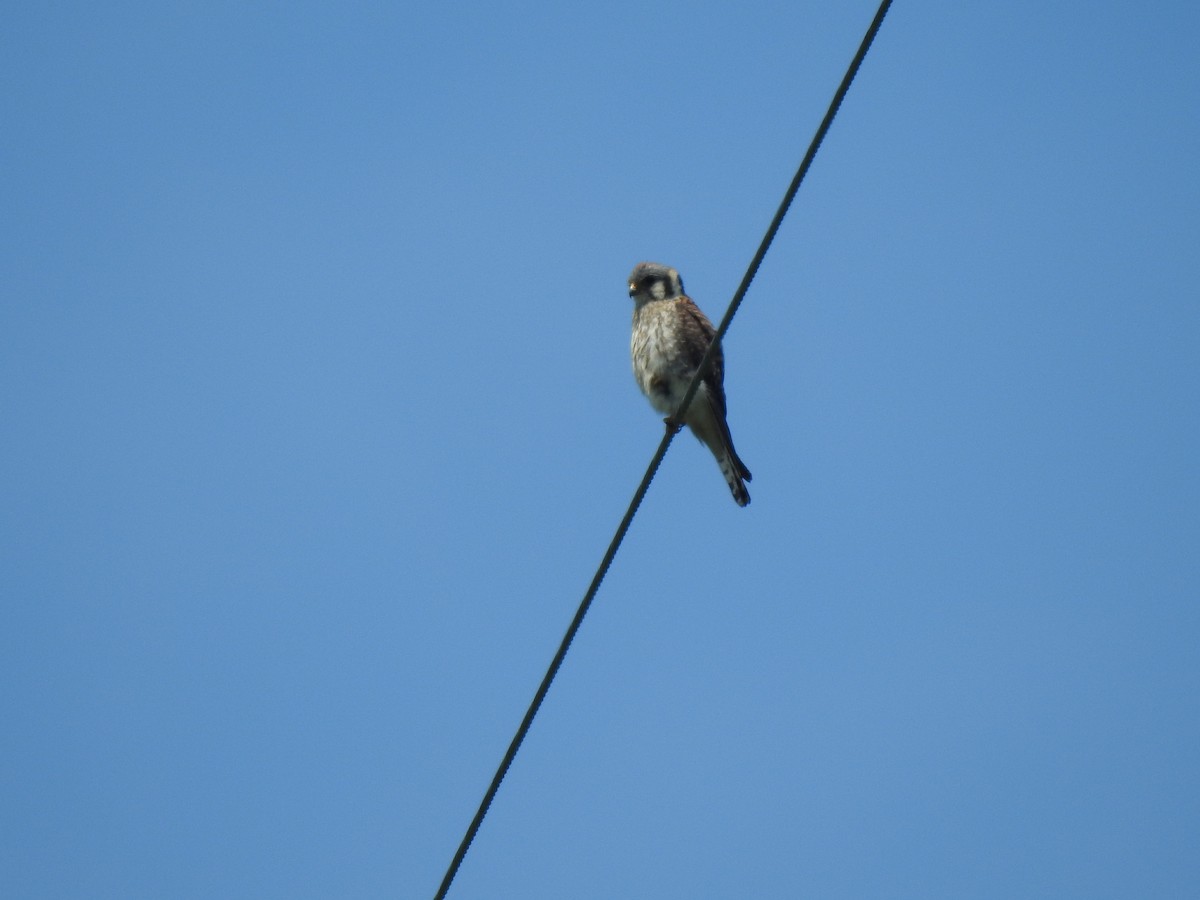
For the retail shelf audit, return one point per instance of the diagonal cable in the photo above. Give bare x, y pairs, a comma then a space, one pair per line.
657, 459
813, 146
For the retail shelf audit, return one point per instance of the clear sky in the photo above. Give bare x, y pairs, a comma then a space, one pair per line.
317, 416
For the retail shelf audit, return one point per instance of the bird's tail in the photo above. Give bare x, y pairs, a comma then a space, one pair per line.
736, 474
710, 427
720, 442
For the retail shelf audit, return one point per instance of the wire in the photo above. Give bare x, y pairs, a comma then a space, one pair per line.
657, 459
793, 188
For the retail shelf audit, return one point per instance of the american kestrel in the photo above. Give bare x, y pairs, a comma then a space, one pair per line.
670, 337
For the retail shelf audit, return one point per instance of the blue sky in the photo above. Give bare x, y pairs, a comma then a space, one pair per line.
318, 417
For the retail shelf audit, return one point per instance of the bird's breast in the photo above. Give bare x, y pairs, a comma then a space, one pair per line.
658, 362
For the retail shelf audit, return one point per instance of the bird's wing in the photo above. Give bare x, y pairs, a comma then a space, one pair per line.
698, 333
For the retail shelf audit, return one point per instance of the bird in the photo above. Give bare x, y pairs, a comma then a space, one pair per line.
670, 337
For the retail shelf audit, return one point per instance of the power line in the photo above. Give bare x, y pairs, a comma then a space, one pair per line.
657, 459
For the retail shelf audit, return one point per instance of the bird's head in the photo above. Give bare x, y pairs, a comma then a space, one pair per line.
654, 281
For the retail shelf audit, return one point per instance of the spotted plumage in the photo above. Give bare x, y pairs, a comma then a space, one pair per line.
670, 337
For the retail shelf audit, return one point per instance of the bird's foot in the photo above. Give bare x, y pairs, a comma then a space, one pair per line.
672, 426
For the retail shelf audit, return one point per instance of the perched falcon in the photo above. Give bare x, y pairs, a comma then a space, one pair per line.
670, 337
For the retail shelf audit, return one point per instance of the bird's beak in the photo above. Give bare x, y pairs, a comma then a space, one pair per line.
632, 289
